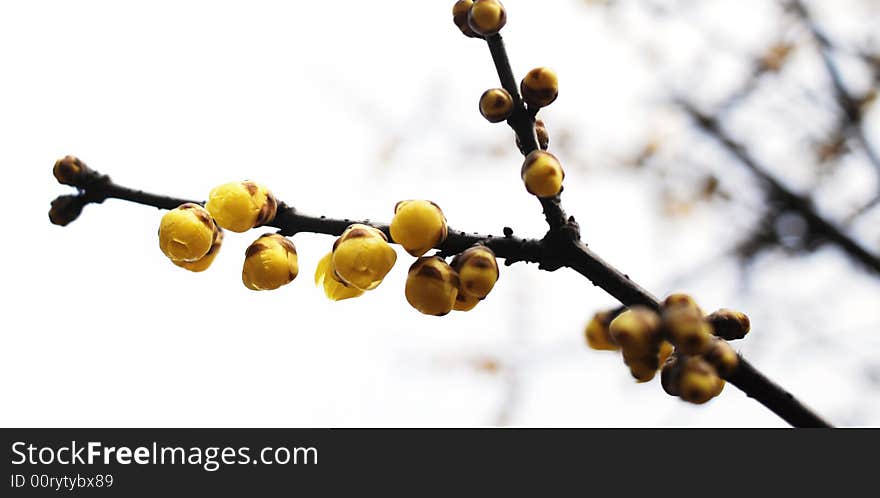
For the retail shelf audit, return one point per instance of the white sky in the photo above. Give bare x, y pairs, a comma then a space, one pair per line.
343, 108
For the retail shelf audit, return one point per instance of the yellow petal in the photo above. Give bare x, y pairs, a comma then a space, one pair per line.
334, 289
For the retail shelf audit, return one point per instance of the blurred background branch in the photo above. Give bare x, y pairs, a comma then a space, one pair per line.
787, 214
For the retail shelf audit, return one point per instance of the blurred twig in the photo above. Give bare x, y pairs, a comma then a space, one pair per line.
851, 105
778, 192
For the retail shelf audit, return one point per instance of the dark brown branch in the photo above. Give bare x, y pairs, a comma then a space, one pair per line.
849, 104
290, 222
746, 377
763, 390
522, 121
800, 204
612, 281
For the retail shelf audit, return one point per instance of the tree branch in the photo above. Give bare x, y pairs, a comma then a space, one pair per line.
290, 222
849, 104
563, 239
560, 247
522, 121
802, 205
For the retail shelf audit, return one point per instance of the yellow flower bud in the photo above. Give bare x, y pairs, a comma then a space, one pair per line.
487, 17
334, 288
186, 233
688, 329
496, 105
432, 286
722, 356
362, 256
597, 333
460, 17
699, 381
636, 331
643, 370
540, 87
240, 206
269, 263
542, 174
464, 302
477, 270
643, 365
679, 300
205, 261
418, 226
729, 324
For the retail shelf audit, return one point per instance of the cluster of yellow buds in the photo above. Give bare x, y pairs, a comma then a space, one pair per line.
541, 171
191, 235
691, 348
434, 287
539, 88
703, 357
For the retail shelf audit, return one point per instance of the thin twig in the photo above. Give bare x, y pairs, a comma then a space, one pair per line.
290, 222
523, 124
849, 104
798, 203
